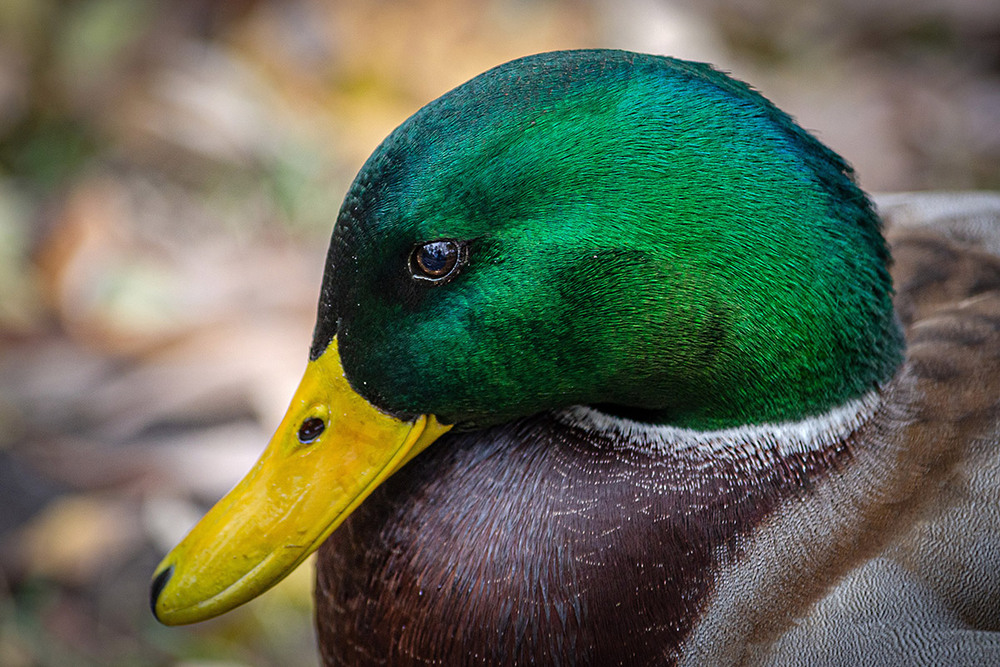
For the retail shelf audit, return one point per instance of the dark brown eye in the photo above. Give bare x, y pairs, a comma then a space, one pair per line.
435, 260
311, 429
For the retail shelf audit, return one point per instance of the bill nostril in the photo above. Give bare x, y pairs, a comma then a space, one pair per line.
159, 582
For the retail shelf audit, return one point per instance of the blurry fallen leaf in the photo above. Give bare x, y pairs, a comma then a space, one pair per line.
19, 308
88, 260
76, 536
14, 652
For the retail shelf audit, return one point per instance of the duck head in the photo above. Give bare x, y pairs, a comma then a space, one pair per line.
599, 228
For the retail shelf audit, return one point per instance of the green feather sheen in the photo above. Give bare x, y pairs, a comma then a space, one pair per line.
644, 233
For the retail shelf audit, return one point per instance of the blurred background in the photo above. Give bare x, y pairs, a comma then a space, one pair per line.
170, 173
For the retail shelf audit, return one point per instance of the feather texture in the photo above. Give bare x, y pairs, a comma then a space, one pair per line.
542, 543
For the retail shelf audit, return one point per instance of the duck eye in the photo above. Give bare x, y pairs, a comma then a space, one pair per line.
311, 429
436, 260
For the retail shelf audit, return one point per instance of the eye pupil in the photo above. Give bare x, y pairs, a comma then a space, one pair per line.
435, 260
311, 429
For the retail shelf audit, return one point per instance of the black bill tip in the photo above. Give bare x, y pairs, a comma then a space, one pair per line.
159, 582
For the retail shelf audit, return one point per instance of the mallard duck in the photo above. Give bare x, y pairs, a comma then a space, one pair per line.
607, 370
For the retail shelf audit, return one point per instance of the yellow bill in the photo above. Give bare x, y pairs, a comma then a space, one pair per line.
329, 453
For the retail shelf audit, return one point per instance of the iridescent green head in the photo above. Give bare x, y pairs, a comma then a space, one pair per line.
602, 227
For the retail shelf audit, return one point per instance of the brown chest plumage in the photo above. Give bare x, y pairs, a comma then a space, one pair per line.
541, 542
